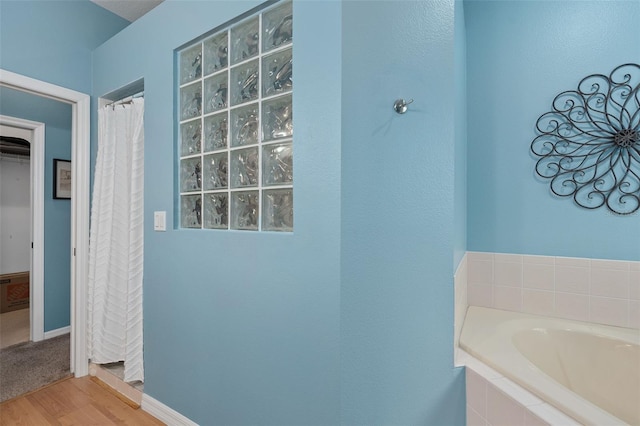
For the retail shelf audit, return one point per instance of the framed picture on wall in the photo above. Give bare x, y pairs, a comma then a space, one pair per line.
61, 179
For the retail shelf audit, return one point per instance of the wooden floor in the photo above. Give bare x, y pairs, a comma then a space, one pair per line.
73, 402
14, 327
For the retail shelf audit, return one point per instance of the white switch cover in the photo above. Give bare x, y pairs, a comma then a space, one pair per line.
159, 221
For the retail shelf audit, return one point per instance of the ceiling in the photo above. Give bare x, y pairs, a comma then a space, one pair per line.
128, 9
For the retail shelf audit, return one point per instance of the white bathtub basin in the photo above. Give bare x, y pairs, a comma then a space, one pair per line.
591, 372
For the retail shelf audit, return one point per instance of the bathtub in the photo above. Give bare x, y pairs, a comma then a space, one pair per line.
590, 372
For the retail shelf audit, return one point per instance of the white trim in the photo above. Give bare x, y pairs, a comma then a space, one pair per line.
116, 383
163, 413
79, 203
36, 270
57, 332
80, 158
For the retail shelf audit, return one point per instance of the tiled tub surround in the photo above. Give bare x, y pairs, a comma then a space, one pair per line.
552, 286
494, 400
592, 290
588, 371
460, 291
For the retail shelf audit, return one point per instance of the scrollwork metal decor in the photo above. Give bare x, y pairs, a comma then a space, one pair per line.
589, 144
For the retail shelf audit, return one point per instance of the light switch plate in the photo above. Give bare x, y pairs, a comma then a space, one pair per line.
159, 221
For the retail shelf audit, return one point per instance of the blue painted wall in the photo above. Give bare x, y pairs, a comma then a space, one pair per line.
398, 215
460, 126
257, 319
57, 235
520, 55
57, 213
240, 327
52, 40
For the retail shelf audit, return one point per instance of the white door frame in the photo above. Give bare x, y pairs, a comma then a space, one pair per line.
36, 278
80, 149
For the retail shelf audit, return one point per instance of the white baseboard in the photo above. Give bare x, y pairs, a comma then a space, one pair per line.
163, 413
57, 332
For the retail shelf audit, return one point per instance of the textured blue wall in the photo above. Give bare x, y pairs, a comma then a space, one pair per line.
57, 235
521, 54
261, 315
52, 40
398, 216
460, 125
240, 327
57, 213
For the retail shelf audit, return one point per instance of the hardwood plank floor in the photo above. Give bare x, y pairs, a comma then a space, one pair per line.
73, 402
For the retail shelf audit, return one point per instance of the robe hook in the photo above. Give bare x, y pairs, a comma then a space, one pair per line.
401, 106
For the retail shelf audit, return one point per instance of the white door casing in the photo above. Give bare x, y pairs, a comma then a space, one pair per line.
36, 278
80, 160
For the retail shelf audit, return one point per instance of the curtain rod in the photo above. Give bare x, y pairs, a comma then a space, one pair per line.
127, 100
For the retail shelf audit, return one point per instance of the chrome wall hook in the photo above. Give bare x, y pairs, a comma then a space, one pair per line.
400, 105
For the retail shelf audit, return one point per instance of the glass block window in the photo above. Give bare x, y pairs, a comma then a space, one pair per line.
235, 117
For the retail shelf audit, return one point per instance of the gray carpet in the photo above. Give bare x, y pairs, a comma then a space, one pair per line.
28, 366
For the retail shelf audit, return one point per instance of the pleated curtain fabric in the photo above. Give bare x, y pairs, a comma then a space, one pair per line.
116, 241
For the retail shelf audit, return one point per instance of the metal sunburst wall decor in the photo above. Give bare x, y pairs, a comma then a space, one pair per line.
589, 144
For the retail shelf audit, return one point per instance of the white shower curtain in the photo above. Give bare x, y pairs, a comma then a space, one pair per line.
116, 240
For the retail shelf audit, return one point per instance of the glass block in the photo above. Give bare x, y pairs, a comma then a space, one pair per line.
244, 83
190, 175
244, 167
277, 73
244, 41
216, 53
277, 210
190, 211
215, 93
277, 118
190, 137
216, 211
215, 171
190, 101
277, 25
215, 132
190, 64
244, 125
277, 164
244, 210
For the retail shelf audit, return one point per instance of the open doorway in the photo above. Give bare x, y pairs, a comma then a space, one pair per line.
45, 255
79, 202
15, 232
34, 132
25, 206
